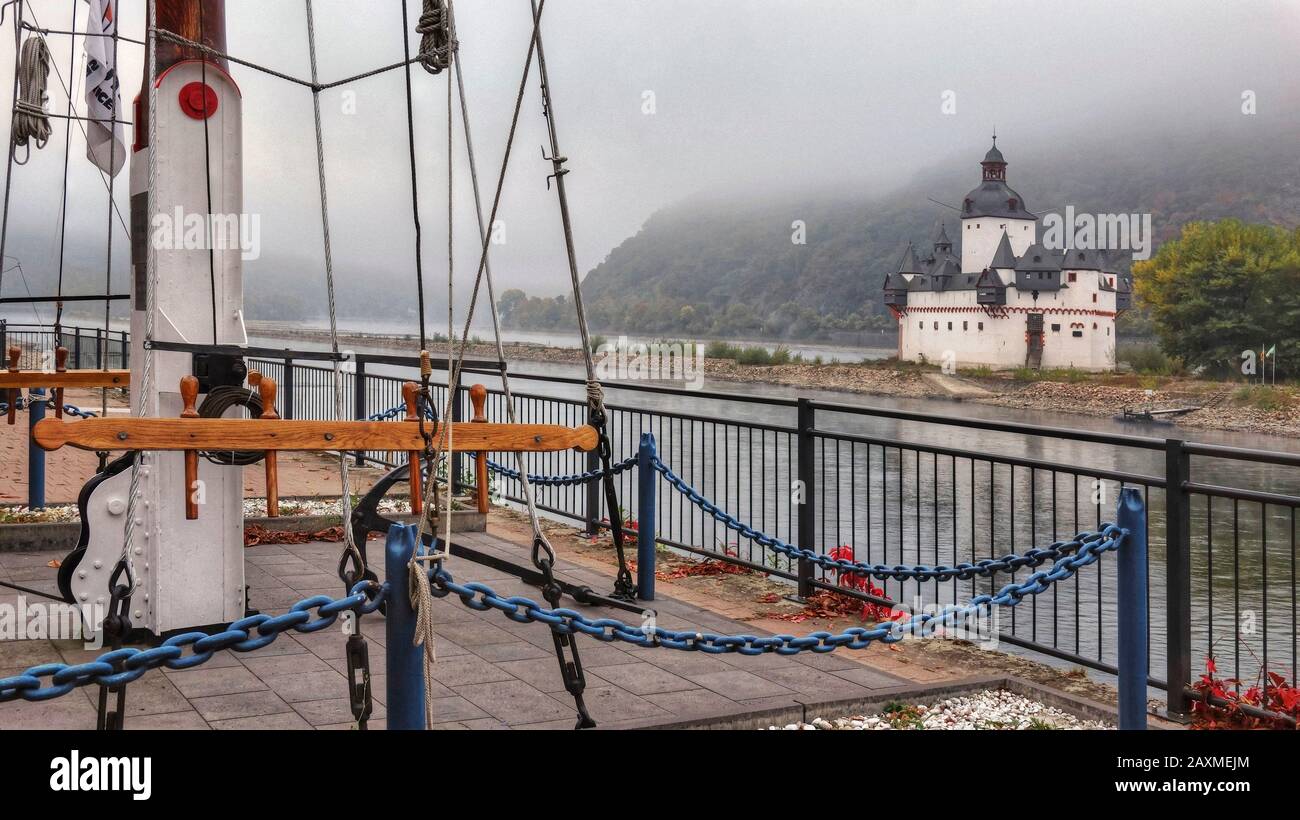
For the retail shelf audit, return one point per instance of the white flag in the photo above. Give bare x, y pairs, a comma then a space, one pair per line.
105, 146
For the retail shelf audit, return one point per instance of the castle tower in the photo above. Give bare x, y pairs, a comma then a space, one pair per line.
991, 210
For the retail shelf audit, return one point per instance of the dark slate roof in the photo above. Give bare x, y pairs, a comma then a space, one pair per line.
1004, 257
1082, 259
994, 155
890, 284
1108, 262
909, 263
919, 282
1038, 257
993, 197
941, 238
991, 278
947, 266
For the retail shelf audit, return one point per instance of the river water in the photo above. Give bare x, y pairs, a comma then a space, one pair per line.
903, 505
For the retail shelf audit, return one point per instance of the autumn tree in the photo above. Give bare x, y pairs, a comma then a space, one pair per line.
1223, 288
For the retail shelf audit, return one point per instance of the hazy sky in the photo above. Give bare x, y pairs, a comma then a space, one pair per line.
793, 94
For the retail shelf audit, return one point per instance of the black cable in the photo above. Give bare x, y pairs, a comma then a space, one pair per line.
415, 193
215, 405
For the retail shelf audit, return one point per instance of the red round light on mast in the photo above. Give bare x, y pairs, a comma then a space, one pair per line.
198, 101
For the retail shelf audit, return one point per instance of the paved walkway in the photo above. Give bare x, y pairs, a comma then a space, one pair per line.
492, 673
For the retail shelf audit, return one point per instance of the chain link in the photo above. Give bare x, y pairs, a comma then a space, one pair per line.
963, 571
570, 622
123, 666
564, 480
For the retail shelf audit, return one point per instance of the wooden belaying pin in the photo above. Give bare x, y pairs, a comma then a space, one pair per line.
410, 396
15, 353
266, 388
477, 399
60, 366
190, 397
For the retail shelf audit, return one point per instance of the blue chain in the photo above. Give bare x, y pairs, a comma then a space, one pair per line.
126, 665
75, 411
69, 409
569, 622
563, 480
920, 572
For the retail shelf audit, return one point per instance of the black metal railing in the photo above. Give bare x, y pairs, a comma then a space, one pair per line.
88, 347
910, 487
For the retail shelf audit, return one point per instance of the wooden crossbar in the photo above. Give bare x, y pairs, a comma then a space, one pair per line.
278, 434
23, 379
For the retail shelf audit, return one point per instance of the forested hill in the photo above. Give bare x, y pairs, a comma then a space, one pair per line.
725, 265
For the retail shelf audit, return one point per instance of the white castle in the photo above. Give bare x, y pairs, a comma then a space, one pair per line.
1009, 301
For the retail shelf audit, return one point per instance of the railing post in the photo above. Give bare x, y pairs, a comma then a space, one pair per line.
593, 494
1133, 659
405, 685
1178, 578
4, 335
457, 414
286, 388
76, 347
35, 455
99, 348
359, 401
805, 492
646, 518
126, 351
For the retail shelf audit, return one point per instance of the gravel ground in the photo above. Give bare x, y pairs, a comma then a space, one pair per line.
990, 709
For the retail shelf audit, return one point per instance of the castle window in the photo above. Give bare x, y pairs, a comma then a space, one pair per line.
1094, 325
920, 325
950, 325
936, 325
1074, 277
981, 326
965, 325
1056, 328
1094, 298
1078, 334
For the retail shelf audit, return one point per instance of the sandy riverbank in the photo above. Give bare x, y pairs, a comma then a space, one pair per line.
1224, 405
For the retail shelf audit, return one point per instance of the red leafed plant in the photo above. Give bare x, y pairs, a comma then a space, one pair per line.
861, 582
1279, 695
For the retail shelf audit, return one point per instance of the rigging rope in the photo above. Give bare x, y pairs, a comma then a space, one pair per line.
436, 45
345, 499
31, 122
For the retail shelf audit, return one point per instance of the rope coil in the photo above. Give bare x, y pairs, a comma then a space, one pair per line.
31, 122
434, 28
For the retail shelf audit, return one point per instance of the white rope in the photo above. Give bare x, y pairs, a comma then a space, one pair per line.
345, 495
31, 122
151, 297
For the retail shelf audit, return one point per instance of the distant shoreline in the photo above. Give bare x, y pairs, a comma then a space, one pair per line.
1096, 395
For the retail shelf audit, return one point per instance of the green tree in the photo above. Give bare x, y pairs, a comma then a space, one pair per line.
1222, 288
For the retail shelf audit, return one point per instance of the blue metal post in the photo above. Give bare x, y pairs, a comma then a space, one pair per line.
1132, 615
647, 478
405, 659
35, 455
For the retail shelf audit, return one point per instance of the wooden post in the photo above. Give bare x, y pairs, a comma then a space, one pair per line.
410, 397
15, 353
478, 399
265, 387
60, 366
190, 395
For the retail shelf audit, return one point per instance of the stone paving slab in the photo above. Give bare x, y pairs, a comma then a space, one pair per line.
491, 672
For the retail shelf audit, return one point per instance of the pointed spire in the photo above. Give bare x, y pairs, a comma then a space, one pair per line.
1004, 258
909, 263
941, 240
